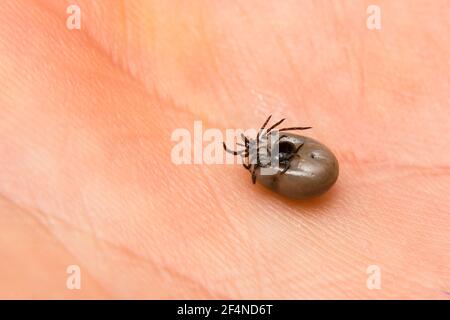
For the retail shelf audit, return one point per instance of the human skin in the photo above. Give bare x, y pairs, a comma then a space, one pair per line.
86, 177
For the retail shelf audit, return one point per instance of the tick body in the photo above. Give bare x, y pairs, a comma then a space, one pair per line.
292, 165
312, 171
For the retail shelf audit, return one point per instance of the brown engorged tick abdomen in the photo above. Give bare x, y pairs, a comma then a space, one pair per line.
311, 173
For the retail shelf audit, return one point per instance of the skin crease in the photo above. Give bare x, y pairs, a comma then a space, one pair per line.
86, 178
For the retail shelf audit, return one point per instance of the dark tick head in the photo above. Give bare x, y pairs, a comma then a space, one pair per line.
257, 154
286, 149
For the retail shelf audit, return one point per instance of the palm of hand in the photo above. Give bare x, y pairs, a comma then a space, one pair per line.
87, 177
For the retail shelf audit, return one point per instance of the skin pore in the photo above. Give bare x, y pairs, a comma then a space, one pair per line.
86, 177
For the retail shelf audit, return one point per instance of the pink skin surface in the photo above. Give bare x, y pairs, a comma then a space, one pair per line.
86, 177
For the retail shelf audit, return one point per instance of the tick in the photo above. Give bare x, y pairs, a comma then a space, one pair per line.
292, 165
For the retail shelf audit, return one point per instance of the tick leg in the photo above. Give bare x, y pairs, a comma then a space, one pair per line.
232, 151
286, 168
275, 125
254, 174
259, 133
262, 128
298, 148
295, 154
265, 123
295, 128
245, 139
246, 145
